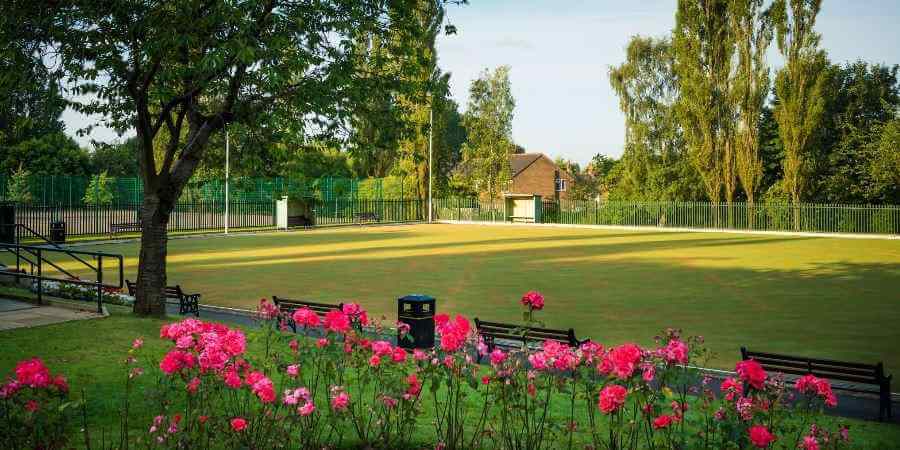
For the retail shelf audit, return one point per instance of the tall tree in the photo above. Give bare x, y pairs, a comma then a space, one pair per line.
753, 34
703, 42
177, 72
799, 87
861, 99
429, 91
654, 162
488, 122
30, 99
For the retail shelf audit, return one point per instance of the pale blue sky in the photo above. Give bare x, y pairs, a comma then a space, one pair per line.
560, 52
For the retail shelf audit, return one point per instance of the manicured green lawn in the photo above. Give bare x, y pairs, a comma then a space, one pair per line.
91, 354
836, 298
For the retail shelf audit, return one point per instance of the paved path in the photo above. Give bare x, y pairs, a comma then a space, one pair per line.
16, 314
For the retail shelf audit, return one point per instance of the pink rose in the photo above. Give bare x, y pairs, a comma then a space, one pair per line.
238, 424
382, 348
306, 409
751, 372
193, 385
676, 352
398, 355
533, 300
809, 443
622, 361
340, 401
760, 436
337, 321
497, 357
305, 317
662, 421
612, 398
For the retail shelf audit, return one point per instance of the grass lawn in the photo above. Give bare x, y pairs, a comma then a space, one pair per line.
837, 298
91, 354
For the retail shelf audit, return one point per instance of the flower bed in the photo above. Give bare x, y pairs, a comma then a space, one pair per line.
351, 388
84, 292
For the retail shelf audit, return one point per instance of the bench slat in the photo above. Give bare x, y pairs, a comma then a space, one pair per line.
752, 354
842, 371
525, 331
511, 326
803, 365
518, 333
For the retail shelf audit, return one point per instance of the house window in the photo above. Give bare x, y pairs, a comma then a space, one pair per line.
560, 185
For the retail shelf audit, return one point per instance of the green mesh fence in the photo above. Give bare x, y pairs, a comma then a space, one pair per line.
70, 190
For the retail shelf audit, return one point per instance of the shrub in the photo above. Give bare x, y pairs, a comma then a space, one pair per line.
17, 188
344, 385
99, 192
33, 407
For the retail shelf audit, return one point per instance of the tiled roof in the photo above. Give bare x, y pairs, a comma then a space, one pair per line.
520, 161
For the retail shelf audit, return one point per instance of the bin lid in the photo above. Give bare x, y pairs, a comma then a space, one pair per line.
416, 298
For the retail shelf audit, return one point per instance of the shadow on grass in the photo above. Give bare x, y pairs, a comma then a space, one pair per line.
300, 255
839, 310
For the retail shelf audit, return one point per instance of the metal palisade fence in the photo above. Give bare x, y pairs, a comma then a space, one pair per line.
105, 219
806, 217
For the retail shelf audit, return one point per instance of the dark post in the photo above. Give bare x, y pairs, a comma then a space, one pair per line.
99, 284
40, 278
417, 311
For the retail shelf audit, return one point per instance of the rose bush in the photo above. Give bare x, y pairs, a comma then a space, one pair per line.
341, 382
34, 411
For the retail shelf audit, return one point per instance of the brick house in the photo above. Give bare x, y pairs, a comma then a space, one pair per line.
537, 174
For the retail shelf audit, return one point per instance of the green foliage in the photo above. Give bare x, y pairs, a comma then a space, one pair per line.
655, 164
118, 160
48, 154
17, 189
884, 167
703, 42
799, 86
99, 191
488, 122
193, 68
30, 101
392, 128
849, 164
750, 86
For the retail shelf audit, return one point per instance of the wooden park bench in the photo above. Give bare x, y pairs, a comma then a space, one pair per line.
116, 228
507, 334
363, 217
287, 307
187, 303
851, 376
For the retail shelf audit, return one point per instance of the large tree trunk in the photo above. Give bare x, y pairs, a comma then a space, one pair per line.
151, 280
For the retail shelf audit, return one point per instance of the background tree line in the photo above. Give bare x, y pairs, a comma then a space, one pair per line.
707, 119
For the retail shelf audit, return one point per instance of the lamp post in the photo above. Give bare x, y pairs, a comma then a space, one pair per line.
226, 180
430, 152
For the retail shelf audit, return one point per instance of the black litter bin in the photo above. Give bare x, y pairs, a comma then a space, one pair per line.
58, 232
417, 311
8, 223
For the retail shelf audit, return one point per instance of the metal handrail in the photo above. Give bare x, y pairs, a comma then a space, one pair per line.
53, 264
20, 226
39, 252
